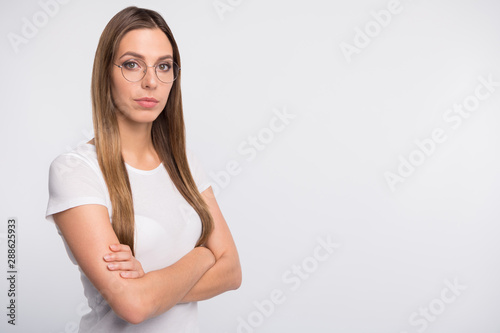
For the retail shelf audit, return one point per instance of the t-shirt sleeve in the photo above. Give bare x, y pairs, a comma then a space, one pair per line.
73, 182
200, 176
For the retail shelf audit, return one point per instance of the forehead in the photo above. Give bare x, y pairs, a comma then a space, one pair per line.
151, 43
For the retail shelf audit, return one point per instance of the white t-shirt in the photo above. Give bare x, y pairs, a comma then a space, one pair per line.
166, 228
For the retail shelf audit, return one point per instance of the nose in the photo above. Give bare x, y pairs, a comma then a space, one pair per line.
150, 80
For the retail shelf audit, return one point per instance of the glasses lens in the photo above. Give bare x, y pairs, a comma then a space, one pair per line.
167, 71
133, 70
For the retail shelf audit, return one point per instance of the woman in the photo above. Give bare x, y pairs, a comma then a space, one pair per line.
168, 245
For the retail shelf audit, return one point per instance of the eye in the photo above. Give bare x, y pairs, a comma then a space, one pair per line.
164, 67
131, 65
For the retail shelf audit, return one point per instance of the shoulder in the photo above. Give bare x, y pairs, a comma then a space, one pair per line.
192, 157
74, 169
81, 157
197, 170
75, 179
83, 152
189, 152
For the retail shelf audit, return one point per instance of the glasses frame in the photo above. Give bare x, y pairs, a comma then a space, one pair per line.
146, 70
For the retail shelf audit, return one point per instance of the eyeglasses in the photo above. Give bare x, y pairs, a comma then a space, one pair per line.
134, 70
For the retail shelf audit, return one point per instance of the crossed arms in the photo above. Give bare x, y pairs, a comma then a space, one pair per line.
202, 273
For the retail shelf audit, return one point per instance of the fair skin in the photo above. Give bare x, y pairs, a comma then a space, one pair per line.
205, 271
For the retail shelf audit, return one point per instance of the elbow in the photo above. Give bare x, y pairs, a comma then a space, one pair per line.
132, 309
131, 317
134, 316
237, 277
136, 308
234, 270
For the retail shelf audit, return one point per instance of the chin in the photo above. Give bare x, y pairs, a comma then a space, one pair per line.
146, 118
141, 115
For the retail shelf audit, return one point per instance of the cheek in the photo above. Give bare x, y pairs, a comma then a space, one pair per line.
119, 94
167, 93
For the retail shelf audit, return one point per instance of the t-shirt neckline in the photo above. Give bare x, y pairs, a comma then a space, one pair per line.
128, 166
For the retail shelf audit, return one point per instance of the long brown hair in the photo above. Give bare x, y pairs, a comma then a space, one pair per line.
167, 132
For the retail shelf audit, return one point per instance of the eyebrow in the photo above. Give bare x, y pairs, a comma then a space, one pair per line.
137, 55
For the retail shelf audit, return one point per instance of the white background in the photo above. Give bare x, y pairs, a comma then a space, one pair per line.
321, 175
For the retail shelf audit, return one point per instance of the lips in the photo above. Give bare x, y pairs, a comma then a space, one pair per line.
147, 99
147, 102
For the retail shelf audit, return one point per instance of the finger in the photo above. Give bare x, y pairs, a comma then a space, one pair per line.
118, 256
122, 266
120, 247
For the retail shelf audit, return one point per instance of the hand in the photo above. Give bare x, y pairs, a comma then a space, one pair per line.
122, 260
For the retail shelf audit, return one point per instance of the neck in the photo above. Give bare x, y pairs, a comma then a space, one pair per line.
136, 143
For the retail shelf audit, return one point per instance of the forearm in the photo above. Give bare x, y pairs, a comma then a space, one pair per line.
157, 291
223, 276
